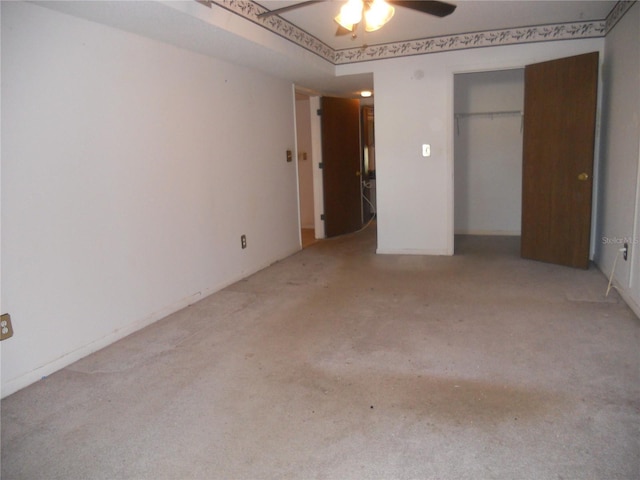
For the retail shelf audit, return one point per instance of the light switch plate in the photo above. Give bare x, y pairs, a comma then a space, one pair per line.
426, 150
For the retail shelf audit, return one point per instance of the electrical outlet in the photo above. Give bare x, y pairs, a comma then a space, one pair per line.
243, 241
6, 330
625, 251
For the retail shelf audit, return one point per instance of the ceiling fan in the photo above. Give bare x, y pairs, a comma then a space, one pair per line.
376, 13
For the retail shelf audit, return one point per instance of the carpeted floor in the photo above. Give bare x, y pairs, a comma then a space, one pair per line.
337, 363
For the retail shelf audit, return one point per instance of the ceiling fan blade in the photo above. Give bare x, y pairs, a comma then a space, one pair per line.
439, 9
278, 11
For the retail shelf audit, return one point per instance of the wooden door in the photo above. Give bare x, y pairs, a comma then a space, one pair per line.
341, 165
559, 133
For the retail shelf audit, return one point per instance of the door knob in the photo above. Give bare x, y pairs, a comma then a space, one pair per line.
583, 176
357, 174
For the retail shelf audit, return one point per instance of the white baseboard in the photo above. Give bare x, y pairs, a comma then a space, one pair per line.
626, 295
507, 233
629, 300
39, 373
67, 359
412, 251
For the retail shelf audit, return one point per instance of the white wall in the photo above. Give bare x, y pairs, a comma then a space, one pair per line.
619, 218
305, 162
2, 310
130, 168
488, 152
414, 105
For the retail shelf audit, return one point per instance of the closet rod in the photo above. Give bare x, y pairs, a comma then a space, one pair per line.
489, 114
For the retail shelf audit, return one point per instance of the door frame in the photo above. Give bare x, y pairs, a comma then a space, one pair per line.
316, 158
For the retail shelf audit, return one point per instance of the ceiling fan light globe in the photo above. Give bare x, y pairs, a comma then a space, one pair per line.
377, 15
346, 27
350, 14
372, 27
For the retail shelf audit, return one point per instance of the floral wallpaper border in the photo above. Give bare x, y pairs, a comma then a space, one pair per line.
618, 12
532, 34
250, 10
510, 36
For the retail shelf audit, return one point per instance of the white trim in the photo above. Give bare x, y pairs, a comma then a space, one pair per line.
295, 160
504, 233
67, 359
411, 251
316, 158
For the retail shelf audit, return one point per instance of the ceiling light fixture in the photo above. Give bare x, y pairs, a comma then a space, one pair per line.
366, 93
350, 14
376, 14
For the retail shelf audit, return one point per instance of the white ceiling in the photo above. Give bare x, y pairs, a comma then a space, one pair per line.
167, 21
469, 16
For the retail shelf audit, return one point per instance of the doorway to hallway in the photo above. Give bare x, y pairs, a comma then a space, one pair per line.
322, 201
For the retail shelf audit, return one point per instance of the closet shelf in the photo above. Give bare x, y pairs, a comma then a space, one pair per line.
500, 113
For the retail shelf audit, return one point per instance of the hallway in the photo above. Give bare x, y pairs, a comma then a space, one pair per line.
308, 236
